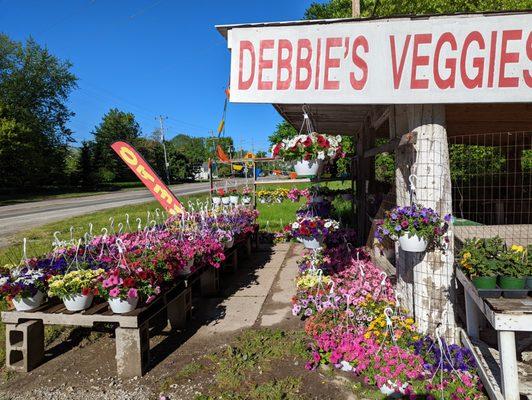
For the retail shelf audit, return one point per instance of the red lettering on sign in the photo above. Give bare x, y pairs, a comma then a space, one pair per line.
358, 84
246, 84
264, 64
331, 63
318, 55
417, 61
303, 63
526, 73
478, 62
284, 63
508, 58
398, 72
450, 63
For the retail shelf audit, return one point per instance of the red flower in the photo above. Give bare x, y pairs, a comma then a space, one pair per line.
307, 156
85, 291
96, 292
323, 142
277, 148
307, 142
129, 282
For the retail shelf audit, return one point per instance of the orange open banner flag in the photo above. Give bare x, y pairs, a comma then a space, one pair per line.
145, 173
221, 154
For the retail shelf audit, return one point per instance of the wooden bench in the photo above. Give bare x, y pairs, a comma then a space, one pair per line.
25, 329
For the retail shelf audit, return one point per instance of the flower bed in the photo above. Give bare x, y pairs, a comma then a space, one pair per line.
133, 266
355, 323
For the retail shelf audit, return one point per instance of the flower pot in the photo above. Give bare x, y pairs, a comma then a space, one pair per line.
312, 243
216, 200
515, 286
29, 303
233, 199
485, 282
279, 200
246, 200
229, 243
306, 168
188, 268
529, 282
226, 200
120, 306
412, 244
78, 301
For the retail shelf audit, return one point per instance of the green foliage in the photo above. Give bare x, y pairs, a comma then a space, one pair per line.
283, 131
34, 87
115, 125
468, 161
383, 8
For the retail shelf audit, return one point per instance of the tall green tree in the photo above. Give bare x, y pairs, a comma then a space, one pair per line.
34, 88
115, 125
283, 130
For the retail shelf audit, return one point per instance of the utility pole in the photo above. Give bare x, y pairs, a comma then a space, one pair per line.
166, 164
355, 8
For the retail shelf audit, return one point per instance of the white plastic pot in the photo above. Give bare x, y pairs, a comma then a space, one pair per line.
412, 244
233, 199
78, 301
229, 243
307, 167
312, 243
216, 200
119, 306
188, 269
29, 303
226, 200
246, 200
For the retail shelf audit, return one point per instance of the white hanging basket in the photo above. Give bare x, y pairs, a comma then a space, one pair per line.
307, 167
78, 301
29, 303
188, 268
233, 199
120, 306
413, 244
246, 200
226, 200
229, 243
312, 243
216, 200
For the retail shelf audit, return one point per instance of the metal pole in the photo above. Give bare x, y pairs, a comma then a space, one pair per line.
166, 164
356, 8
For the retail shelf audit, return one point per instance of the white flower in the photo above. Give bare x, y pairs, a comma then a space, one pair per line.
295, 225
328, 224
3, 280
321, 155
338, 138
331, 152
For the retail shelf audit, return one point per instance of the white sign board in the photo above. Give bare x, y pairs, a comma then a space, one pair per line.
456, 59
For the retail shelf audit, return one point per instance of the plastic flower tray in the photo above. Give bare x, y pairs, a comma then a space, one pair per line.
506, 293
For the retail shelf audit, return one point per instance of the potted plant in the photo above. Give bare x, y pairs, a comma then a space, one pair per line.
264, 196
225, 198
233, 196
309, 151
311, 231
280, 194
512, 273
528, 267
415, 227
25, 288
480, 260
76, 288
246, 195
122, 287
217, 199
293, 195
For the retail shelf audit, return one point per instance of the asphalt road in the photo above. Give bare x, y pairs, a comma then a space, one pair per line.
18, 217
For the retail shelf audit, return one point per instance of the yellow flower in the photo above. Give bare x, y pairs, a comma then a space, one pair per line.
466, 255
517, 248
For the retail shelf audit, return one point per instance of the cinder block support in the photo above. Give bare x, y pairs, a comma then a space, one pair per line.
159, 321
180, 310
210, 282
24, 345
132, 351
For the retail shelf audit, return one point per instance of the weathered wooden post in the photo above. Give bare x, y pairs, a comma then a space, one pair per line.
425, 279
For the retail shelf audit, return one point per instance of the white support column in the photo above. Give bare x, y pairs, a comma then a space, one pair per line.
426, 277
472, 316
508, 361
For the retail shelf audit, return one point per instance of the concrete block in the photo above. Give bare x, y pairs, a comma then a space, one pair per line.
132, 351
24, 345
180, 310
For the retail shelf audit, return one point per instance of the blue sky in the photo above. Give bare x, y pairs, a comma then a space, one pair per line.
150, 57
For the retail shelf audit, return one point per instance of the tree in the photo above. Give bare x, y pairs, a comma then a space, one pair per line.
34, 87
383, 8
115, 125
283, 130
85, 172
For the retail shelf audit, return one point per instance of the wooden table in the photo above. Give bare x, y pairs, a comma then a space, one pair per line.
506, 316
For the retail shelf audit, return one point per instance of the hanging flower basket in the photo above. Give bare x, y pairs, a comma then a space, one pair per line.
413, 243
307, 168
29, 303
233, 199
122, 306
246, 200
78, 301
216, 200
312, 242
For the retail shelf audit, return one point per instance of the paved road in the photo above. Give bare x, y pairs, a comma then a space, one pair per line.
18, 217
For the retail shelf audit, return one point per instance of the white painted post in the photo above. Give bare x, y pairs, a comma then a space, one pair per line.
508, 361
430, 272
472, 316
